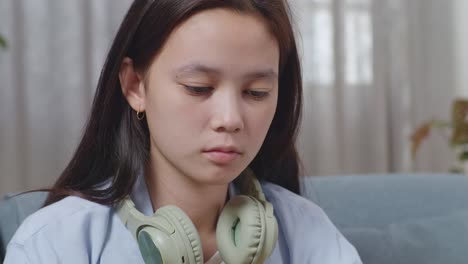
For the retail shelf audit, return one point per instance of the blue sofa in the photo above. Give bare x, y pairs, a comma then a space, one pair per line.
393, 218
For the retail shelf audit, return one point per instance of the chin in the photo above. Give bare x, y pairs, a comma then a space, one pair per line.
219, 174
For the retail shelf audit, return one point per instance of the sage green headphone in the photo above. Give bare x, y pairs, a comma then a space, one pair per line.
246, 231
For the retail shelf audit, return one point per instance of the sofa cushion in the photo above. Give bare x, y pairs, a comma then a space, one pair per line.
434, 240
379, 200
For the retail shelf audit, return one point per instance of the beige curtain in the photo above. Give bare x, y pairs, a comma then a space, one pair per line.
47, 79
372, 70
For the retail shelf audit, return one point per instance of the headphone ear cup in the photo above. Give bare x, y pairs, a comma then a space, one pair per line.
157, 246
186, 235
271, 233
240, 231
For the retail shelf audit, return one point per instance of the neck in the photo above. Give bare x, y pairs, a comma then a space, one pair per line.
201, 202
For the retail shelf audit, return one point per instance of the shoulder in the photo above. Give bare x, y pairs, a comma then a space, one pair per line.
70, 211
296, 213
72, 228
294, 205
306, 229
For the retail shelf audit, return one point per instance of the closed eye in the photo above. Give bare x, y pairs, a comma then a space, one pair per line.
198, 90
257, 95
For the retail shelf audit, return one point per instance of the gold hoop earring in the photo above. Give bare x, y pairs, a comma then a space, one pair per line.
140, 115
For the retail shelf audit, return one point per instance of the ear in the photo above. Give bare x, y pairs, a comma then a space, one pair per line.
132, 85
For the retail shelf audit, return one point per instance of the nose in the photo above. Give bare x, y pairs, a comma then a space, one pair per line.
227, 115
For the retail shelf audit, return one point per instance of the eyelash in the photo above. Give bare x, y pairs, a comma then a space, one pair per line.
200, 91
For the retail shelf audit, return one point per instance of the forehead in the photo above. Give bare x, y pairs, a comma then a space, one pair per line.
226, 40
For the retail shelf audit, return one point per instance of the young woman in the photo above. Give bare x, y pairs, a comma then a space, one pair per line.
197, 99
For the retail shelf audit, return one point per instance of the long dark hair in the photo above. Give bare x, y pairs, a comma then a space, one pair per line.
115, 145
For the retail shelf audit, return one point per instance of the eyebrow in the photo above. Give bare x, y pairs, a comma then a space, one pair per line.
194, 68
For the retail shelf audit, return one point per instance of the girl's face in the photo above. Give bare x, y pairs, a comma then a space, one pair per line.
210, 96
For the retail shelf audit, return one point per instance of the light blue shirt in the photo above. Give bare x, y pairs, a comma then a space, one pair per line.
75, 230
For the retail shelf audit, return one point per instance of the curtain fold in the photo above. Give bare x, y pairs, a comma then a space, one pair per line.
391, 67
48, 76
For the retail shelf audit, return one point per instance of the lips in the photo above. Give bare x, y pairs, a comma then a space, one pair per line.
226, 149
222, 155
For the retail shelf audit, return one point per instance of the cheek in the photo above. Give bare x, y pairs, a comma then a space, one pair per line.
172, 117
260, 121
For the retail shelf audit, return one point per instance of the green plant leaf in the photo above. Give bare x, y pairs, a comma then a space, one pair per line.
441, 124
3, 43
456, 170
463, 156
